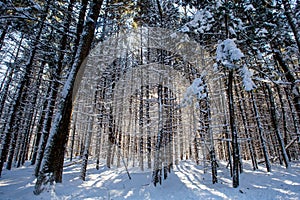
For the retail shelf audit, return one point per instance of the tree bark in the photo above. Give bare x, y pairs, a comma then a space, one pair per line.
157, 169
291, 78
276, 126
53, 164
40, 126
54, 89
87, 144
243, 110
260, 132
19, 94
234, 136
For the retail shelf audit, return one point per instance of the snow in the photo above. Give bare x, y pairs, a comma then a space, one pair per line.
186, 181
194, 90
227, 53
202, 21
247, 80
249, 8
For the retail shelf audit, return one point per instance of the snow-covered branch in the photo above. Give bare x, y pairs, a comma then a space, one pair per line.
195, 90
228, 54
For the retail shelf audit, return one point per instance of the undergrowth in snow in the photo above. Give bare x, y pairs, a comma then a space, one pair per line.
187, 181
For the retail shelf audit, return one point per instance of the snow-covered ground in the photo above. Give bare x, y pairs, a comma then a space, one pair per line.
187, 181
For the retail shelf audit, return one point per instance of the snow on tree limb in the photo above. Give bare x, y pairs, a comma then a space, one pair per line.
247, 80
228, 54
195, 90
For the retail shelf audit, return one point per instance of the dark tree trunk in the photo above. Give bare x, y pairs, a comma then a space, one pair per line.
40, 126
243, 111
291, 78
141, 126
234, 143
53, 164
3, 34
73, 136
19, 94
54, 89
5, 89
276, 126
157, 171
30, 113
284, 121
260, 132
291, 21
148, 126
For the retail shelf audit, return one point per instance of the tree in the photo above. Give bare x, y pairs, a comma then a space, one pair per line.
55, 85
54, 154
20, 95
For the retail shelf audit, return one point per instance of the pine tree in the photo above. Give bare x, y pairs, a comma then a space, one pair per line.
54, 153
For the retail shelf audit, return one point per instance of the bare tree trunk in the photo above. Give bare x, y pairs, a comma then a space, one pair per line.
73, 136
111, 137
242, 106
3, 34
212, 153
171, 130
141, 126
276, 126
54, 89
40, 126
294, 117
291, 21
53, 165
284, 121
148, 127
227, 150
5, 88
157, 170
234, 143
260, 132
291, 78
30, 112
99, 134
87, 144
19, 94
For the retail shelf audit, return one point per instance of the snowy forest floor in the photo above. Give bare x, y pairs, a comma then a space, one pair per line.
186, 181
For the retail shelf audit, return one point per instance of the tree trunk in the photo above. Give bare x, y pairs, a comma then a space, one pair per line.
54, 89
291, 21
30, 112
234, 136
260, 132
53, 164
148, 127
157, 170
291, 78
294, 116
40, 126
73, 136
5, 89
19, 93
243, 111
284, 121
276, 126
141, 126
3, 34
87, 144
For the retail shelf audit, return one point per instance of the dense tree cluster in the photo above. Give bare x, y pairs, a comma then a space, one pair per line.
151, 106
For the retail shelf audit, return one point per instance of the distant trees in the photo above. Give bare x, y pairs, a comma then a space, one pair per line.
136, 112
